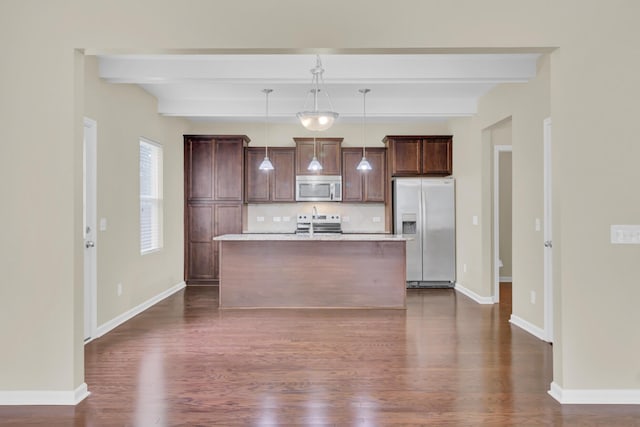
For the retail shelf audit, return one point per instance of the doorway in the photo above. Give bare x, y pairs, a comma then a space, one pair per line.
502, 213
89, 168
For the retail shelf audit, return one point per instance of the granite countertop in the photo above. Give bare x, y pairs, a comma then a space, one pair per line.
316, 237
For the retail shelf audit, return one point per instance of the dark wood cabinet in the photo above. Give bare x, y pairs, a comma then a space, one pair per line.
213, 172
367, 186
327, 152
419, 155
277, 185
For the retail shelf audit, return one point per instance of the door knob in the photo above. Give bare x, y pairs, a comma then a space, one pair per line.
89, 244
547, 244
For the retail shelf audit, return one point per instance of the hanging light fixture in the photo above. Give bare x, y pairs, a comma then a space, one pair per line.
266, 164
317, 120
364, 164
314, 165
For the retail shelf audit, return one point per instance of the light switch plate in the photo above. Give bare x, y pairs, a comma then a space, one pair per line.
625, 234
376, 219
474, 220
103, 224
538, 225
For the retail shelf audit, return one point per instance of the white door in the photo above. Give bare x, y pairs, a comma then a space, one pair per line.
89, 224
548, 241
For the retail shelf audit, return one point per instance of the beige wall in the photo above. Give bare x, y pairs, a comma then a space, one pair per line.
124, 114
593, 106
518, 109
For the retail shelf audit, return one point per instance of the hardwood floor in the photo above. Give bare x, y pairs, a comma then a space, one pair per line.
445, 361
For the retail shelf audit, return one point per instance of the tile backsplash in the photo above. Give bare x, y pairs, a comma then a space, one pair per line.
281, 217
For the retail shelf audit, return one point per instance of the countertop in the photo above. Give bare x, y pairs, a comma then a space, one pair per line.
316, 237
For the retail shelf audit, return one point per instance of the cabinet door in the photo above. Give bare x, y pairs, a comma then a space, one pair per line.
256, 181
200, 248
406, 157
329, 156
437, 156
228, 169
304, 154
351, 177
283, 174
198, 169
374, 180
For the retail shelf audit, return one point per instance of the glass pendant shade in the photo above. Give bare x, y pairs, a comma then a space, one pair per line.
314, 165
317, 120
364, 165
266, 164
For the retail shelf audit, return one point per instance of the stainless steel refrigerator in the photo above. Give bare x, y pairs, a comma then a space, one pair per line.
424, 209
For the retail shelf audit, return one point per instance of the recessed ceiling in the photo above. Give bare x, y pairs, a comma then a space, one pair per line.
403, 87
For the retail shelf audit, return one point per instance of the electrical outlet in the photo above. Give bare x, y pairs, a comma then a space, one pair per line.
474, 220
538, 225
533, 297
464, 268
277, 219
286, 218
119, 289
346, 218
103, 224
376, 219
260, 219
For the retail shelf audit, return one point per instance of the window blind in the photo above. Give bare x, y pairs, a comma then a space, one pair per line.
150, 196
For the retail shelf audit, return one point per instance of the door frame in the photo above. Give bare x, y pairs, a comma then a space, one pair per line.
547, 233
497, 149
89, 165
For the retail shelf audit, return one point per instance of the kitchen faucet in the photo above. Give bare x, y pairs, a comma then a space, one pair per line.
314, 213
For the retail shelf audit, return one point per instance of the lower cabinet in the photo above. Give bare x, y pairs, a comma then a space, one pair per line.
203, 223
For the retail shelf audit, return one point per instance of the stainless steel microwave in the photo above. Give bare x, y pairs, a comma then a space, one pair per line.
318, 188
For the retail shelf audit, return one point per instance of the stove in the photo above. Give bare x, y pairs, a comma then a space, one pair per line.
322, 224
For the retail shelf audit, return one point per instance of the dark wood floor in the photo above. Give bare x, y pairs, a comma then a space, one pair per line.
445, 361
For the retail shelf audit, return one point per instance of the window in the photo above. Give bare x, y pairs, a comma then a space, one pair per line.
150, 196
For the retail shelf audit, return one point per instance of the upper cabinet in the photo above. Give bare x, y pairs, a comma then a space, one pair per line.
327, 151
420, 155
369, 186
277, 185
213, 166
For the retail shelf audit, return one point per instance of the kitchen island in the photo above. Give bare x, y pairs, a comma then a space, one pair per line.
319, 271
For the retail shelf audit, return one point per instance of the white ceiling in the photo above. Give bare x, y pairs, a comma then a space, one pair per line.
403, 87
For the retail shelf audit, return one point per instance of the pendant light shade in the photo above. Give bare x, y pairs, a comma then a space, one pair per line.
364, 164
266, 164
317, 120
314, 165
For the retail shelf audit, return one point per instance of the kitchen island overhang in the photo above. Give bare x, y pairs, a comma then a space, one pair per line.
320, 271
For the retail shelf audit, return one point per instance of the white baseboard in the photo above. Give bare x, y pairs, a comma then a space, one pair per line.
468, 292
528, 326
595, 396
505, 279
117, 321
49, 397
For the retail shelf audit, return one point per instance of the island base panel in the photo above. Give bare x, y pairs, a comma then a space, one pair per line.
313, 274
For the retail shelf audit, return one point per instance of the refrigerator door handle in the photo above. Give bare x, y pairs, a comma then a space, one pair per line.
423, 226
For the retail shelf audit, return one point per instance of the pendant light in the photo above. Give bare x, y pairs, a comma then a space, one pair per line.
266, 164
317, 120
364, 164
315, 164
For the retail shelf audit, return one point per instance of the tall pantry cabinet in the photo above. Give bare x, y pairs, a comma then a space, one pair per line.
213, 192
